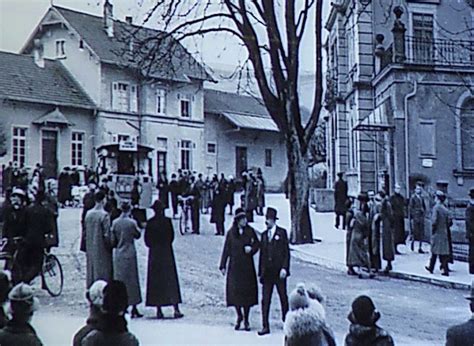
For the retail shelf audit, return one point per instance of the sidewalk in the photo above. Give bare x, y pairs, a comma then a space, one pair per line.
330, 252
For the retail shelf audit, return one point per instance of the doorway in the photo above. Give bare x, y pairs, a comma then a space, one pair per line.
240, 160
49, 153
161, 163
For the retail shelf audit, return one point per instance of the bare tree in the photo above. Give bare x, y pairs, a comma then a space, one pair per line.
271, 33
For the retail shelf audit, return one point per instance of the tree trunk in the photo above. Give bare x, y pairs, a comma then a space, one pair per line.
298, 189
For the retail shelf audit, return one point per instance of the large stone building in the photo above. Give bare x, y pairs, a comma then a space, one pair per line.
46, 116
241, 135
401, 108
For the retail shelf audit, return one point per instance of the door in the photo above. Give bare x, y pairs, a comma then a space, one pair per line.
240, 160
49, 153
161, 162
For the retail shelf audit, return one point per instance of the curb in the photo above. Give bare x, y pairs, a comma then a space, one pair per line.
329, 264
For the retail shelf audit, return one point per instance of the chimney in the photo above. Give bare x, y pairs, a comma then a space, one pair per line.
129, 20
109, 18
38, 53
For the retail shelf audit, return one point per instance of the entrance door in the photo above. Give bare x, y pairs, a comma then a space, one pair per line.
240, 160
161, 162
49, 153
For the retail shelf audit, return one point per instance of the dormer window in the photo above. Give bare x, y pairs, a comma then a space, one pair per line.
60, 51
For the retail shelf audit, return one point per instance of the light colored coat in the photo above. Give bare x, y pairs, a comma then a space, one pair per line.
123, 234
440, 224
99, 252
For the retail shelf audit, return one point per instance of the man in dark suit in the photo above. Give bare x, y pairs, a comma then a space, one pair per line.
463, 334
340, 199
274, 267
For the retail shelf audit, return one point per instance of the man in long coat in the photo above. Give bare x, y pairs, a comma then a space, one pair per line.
340, 199
174, 190
463, 334
98, 245
388, 246
398, 207
418, 210
274, 267
439, 239
470, 230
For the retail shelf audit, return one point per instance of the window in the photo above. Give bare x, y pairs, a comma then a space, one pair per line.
427, 138
162, 143
60, 52
211, 148
19, 145
467, 136
161, 154
350, 41
186, 162
268, 157
185, 108
160, 101
81, 44
124, 97
77, 149
422, 37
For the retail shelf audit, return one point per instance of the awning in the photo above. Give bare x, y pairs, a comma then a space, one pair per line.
120, 127
376, 121
253, 122
54, 118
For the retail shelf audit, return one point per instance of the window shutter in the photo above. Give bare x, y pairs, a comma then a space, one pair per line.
427, 139
114, 95
133, 98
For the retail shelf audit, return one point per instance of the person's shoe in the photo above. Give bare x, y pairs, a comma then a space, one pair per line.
247, 326
445, 273
159, 315
136, 314
217, 233
351, 272
429, 269
178, 314
371, 275
412, 246
420, 251
237, 324
264, 331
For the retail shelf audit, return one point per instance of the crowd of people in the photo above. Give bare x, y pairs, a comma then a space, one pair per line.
375, 224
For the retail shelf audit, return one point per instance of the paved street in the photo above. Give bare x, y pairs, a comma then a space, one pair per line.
415, 313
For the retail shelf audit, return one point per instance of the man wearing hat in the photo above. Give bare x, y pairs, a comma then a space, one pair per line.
340, 199
463, 334
439, 238
274, 267
18, 330
470, 230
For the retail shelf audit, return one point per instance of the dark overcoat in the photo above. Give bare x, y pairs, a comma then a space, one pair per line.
274, 256
340, 196
163, 192
15, 333
461, 335
64, 187
470, 235
388, 246
358, 250
260, 192
218, 207
418, 209
241, 282
440, 224
398, 208
162, 280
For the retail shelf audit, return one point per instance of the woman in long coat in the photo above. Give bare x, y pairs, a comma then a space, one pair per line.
388, 246
124, 231
163, 190
439, 239
64, 187
260, 192
162, 281
218, 209
376, 229
241, 244
398, 206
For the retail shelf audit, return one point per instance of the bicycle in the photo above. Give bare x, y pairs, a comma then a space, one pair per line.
52, 277
185, 224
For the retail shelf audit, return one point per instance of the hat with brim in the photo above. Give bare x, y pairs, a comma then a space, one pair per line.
18, 192
471, 294
271, 213
239, 214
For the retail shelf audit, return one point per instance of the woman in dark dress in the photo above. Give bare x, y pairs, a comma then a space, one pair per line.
162, 282
218, 209
241, 244
163, 190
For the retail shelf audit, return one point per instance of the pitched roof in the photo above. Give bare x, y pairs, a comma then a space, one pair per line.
21, 79
55, 117
178, 66
243, 111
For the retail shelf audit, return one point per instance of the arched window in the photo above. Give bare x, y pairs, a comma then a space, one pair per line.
467, 135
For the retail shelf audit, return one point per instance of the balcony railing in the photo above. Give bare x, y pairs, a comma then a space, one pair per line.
439, 52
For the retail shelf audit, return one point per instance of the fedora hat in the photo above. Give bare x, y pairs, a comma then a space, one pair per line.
271, 213
471, 293
239, 214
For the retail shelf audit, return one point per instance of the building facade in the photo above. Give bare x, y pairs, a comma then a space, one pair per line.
399, 100
240, 135
46, 116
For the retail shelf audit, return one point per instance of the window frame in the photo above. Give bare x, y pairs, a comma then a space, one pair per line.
268, 158
189, 150
25, 145
215, 148
465, 114
189, 113
431, 122
61, 48
160, 95
76, 159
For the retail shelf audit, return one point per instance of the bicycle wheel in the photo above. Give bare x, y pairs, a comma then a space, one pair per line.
52, 275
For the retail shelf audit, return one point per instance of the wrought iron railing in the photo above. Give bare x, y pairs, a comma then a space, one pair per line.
439, 51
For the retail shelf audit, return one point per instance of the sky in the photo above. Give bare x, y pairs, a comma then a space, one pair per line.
18, 18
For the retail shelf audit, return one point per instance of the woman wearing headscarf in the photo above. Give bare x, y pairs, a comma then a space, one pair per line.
241, 244
124, 231
162, 280
112, 327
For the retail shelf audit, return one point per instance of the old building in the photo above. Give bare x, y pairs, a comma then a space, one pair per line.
399, 96
46, 116
161, 107
241, 135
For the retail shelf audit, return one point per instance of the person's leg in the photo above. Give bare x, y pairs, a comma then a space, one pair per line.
267, 290
177, 312
282, 293
432, 263
337, 220
343, 221
135, 313
444, 264
159, 312
240, 317
246, 318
